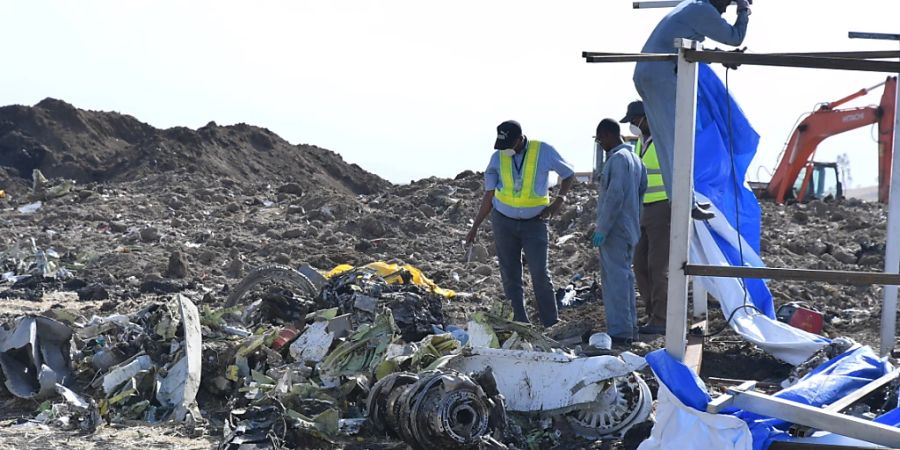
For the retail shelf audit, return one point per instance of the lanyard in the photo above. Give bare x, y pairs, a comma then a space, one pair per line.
518, 179
645, 146
519, 165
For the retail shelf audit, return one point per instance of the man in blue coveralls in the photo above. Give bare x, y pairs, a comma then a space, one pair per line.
623, 183
516, 188
656, 81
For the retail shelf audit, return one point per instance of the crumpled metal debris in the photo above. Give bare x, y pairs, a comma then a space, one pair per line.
44, 189
178, 388
362, 291
579, 290
602, 394
145, 366
428, 354
361, 352
34, 356
437, 409
313, 344
838, 346
493, 330
30, 208
75, 413
275, 427
27, 260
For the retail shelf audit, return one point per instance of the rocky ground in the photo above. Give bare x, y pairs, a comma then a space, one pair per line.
159, 212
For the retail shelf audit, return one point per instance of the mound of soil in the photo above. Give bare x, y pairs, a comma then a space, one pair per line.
97, 146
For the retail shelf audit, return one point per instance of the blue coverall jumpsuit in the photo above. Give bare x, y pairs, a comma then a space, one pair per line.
622, 184
655, 81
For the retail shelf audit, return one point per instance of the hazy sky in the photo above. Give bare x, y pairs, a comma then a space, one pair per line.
409, 89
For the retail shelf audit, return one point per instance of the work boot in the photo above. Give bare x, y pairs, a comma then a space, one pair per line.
701, 214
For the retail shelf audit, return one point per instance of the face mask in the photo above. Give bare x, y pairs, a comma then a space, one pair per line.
508, 151
635, 130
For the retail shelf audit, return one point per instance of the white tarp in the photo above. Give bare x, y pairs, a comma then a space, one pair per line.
679, 427
780, 340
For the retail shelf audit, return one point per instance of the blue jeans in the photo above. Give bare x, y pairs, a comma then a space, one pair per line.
511, 237
617, 282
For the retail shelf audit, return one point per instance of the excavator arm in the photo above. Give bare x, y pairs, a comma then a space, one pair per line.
826, 122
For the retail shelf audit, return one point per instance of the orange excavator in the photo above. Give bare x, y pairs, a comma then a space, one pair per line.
827, 121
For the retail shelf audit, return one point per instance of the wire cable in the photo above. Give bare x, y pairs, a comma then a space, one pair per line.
737, 186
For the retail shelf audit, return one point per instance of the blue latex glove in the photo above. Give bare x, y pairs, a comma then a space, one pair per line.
598, 239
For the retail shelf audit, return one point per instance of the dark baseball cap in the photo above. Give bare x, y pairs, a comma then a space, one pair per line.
635, 109
507, 134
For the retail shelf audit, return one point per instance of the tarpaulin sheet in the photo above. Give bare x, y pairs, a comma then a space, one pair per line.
825, 384
725, 145
683, 423
392, 275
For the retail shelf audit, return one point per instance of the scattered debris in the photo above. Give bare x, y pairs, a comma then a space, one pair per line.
437, 409
44, 189
178, 388
34, 356
30, 208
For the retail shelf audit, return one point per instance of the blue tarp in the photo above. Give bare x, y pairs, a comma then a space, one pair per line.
720, 165
830, 381
824, 385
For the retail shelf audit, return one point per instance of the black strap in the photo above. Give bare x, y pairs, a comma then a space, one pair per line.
519, 165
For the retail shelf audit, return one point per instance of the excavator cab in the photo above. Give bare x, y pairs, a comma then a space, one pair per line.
818, 180
822, 179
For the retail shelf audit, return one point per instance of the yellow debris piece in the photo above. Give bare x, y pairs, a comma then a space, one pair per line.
391, 274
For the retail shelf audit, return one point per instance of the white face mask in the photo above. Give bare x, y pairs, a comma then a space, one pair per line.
636, 130
508, 151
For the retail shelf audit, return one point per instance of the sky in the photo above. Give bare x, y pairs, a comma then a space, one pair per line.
410, 89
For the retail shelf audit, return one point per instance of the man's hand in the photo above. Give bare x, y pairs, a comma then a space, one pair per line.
470, 238
743, 5
598, 239
735, 66
554, 207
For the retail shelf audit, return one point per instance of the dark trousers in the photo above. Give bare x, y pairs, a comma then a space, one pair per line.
512, 237
651, 260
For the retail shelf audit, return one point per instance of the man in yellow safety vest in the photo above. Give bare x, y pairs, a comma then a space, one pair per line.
651, 257
516, 188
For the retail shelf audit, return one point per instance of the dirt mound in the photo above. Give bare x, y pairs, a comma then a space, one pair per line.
834, 235
96, 146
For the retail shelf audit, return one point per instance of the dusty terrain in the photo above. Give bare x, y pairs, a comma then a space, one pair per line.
157, 212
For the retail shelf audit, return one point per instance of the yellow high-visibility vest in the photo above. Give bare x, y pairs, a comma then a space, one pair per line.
524, 197
656, 190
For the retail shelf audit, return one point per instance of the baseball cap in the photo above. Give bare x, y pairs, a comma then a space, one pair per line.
635, 109
507, 134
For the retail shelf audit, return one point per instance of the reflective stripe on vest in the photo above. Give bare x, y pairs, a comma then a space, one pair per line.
656, 190
525, 197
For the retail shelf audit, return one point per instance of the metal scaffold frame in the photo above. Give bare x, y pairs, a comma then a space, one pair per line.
680, 269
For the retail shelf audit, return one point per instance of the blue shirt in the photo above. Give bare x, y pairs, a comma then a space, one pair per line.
549, 160
695, 20
623, 183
